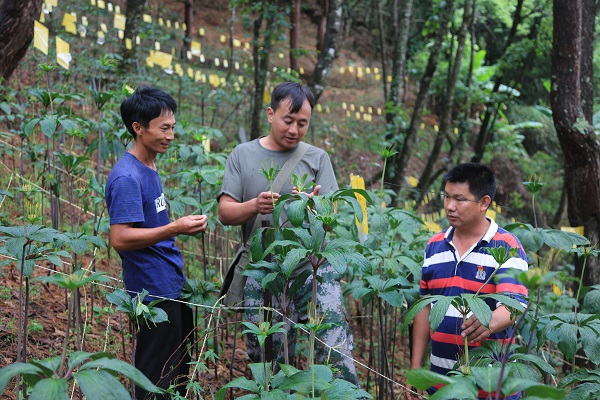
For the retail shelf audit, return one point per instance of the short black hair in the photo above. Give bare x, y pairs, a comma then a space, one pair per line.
295, 92
480, 178
145, 104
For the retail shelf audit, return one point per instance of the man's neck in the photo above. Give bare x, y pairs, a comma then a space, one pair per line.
468, 236
143, 156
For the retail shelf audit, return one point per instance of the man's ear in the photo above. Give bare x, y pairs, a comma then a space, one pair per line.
486, 202
270, 113
137, 128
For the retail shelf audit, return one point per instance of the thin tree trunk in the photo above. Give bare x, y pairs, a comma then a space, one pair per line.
445, 127
327, 55
133, 13
578, 141
399, 162
188, 19
16, 32
294, 33
402, 17
322, 27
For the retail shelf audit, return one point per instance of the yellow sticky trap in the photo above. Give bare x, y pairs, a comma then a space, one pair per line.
370, 110
267, 96
327, 110
352, 108
236, 65
217, 62
432, 226
223, 38
184, 27
147, 18
389, 79
137, 40
361, 109
117, 9
93, 2
319, 108
357, 182
202, 31
281, 55
344, 105
202, 58
109, 7
188, 55
177, 25
157, 46
214, 80
190, 73
240, 79
575, 229
491, 213
40, 37
198, 76
247, 46
42, 18
237, 43
120, 34
196, 48
357, 115
413, 181
368, 71
119, 22
342, 70
206, 144
225, 64
359, 72
301, 70
178, 70
101, 4
103, 27
68, 22
379, 112
63, 56
348, 113
53, 3
376, 70
377, 77
149, 62
161, 22
168, 22
161, 59
84, 21
128, 44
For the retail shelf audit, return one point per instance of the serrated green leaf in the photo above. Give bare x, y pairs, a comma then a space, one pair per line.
438, 311
567, 340
49, 125
480, 309
123, 368
414, 310
101, 385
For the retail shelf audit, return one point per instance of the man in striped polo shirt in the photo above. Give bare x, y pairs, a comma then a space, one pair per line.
456, 262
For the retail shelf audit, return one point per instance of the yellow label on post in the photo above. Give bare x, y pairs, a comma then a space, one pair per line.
42, 19
237, 43
223, 38
121, 34
120, 22
109, 7
63, 56
190, 73
53, 3
128, 44
168, 23
103, 27
177, 25
206, 144
40, 37
84, 21
147, 18
178, 70
93, 2
101, 4
68, 22
362, 224
202, 31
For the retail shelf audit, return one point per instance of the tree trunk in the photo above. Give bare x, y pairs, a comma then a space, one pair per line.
294, 33
402, 15
399, 162
322, 27
135, 9
188, 19
445, 126
16, 32
328, 52
260, 57
578, 141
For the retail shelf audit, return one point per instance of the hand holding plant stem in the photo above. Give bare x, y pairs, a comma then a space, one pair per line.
270, 173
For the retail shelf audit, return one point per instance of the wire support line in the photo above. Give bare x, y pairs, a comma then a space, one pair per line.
218, 307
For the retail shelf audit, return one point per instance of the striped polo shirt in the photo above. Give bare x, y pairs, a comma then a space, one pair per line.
444, 273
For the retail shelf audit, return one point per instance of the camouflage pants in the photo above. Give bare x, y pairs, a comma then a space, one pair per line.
329, 305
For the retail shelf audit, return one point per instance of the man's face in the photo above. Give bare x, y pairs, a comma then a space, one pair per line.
463, 210
288, 129
158, 135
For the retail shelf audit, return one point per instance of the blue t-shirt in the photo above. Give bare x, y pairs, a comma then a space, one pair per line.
134, 195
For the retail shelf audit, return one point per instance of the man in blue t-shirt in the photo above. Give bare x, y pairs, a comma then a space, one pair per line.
456, 261
144, 237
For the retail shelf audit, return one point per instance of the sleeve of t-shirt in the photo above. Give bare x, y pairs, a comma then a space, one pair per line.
326, 177
232, 178
126, 201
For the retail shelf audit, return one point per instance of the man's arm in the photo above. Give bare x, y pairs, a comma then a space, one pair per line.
420, 337
233, 212
124, 237
476, 332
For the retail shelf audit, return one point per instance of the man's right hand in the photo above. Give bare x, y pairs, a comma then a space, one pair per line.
191, 224
265, 202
